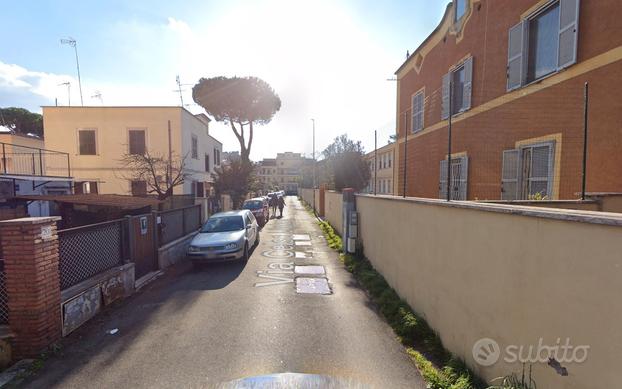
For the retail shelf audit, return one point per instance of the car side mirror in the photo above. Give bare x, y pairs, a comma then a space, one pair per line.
248, 227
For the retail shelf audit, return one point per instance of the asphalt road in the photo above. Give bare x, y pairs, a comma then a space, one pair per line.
196, 329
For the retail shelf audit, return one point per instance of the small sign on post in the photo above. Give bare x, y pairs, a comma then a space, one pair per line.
46, 232
143, 225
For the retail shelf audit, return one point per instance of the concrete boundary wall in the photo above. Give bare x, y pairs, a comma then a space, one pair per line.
333, 210
512, 274
307, 195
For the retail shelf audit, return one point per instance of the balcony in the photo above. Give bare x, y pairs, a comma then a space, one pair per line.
30, 163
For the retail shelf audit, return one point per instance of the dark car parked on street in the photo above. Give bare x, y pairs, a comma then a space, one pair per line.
260, 208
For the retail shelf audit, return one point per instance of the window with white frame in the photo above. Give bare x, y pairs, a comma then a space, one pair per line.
527, 172
457, 88
417, 111
543, 43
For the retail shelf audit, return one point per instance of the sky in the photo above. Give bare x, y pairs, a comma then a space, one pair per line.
330, 60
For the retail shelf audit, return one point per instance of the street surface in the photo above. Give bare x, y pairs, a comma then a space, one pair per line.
194, 329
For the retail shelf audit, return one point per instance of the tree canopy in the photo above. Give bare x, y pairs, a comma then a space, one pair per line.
236, 179
345, 164
239, 102
22, 121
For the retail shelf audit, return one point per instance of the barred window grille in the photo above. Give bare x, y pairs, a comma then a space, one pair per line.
89, 250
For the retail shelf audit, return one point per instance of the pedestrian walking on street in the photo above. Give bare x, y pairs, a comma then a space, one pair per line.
273, 204
281, 205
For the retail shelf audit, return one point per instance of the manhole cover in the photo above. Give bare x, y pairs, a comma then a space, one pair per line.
309, 269
312, 285
301, 237
303, 243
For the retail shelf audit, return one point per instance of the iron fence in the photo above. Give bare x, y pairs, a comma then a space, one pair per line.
179, 222
89, 250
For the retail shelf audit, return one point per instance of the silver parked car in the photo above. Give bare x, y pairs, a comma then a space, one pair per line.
225, 236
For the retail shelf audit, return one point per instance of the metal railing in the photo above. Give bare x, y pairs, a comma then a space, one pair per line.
31, 161
178, 222
89, 250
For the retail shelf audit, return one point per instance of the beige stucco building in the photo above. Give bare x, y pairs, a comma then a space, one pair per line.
383, 171
97, 138
284, 172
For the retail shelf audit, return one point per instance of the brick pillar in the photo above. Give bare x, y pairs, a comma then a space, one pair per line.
30, 247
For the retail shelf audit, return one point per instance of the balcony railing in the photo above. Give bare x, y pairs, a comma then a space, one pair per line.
26, 161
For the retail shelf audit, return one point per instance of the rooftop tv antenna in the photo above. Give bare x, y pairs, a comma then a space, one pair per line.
68, 84
180, 90
98, 95
72, 42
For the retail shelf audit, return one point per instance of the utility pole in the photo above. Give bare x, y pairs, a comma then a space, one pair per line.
72, 42
314, 177
375, 161
405, 151
586, 100
449, 141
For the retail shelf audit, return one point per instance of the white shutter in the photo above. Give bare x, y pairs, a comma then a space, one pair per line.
442, 182
509, 175
516, 61
463, 180
445, 97
468, 81
568, 32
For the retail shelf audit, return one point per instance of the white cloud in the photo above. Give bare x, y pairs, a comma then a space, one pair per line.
19, 82
320, 60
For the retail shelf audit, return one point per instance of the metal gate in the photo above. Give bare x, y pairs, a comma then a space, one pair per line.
143, 245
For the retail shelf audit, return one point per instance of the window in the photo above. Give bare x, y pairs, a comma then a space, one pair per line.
390, 159
85, 187
460, 7
543, 43
195, 147
527, 172
458, 181
216, 157
137, 142
207, 162
417, 111
87, 142
139, 188
457, 86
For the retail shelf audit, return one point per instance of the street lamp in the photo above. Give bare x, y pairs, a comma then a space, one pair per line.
72, 42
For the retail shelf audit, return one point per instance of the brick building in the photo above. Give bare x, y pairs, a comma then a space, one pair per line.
515, 71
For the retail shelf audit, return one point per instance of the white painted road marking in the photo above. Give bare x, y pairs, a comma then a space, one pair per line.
310, 269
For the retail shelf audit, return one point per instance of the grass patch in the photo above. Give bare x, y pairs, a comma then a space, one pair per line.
332, 239
439, 367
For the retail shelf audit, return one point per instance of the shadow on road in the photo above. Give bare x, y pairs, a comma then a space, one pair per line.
172, 295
